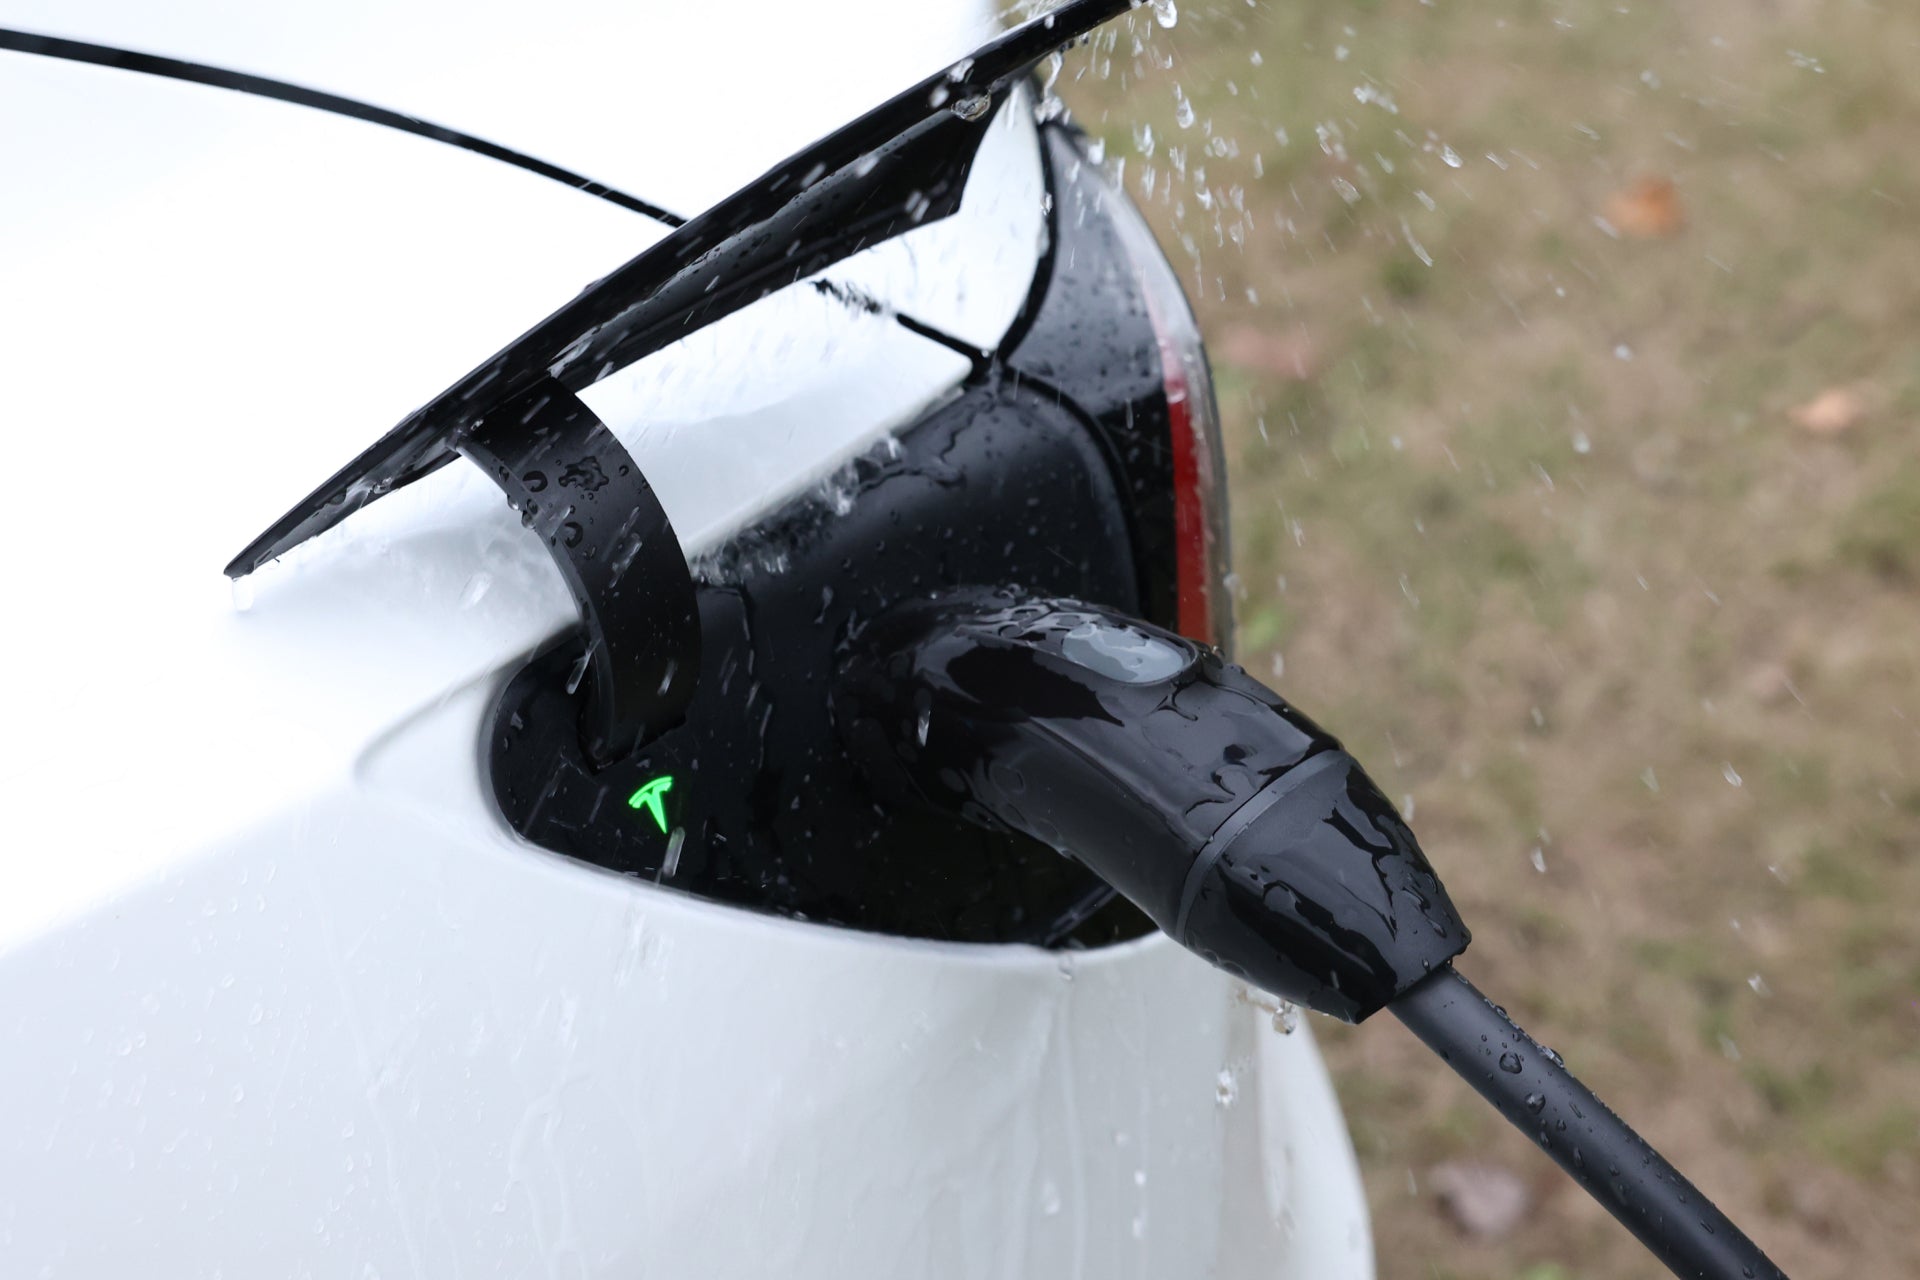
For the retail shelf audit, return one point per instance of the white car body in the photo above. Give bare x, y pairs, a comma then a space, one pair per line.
281, 993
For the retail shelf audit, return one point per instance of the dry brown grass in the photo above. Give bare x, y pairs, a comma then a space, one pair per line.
1523, 504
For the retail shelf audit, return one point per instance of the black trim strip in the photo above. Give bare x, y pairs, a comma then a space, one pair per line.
279, 90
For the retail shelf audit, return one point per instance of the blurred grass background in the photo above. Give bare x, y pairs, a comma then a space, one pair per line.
1570, 360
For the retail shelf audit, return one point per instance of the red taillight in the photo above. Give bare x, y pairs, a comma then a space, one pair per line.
1205, 604
1192, 491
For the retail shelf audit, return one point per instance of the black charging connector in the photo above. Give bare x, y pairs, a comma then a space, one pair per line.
1245, 832
1176, 777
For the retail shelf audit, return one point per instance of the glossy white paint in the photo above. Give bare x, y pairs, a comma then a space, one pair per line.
280, 994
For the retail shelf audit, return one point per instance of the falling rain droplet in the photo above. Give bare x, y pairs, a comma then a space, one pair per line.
1166, 13
476, 590
1728, 772
922, 725
1450, 157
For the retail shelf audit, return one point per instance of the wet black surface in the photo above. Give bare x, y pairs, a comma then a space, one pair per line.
765, 810
1238, 825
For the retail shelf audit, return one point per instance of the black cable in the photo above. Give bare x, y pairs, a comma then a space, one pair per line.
280, 91
1529, 1085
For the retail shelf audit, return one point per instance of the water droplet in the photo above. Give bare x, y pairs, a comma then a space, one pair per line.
1226, 1088
1728, 772
1166, 13
1450, 157
242, 594
1536, 1102
1050, 1198
922, 725
1759, 985
1511, 1063
1539, 859
971, 107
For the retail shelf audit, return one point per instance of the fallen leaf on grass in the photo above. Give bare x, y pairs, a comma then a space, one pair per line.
1831, 412
1482, 1199
1648, 210
1288, 354
1769, 683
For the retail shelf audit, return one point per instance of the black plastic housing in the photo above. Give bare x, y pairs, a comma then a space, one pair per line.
1238, 825
765, 809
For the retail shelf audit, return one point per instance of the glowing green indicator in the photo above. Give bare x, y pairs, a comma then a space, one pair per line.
650, 798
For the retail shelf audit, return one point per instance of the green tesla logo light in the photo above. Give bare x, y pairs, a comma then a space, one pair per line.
650, 798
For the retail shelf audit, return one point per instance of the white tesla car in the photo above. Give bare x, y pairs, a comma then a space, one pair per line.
299, 973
